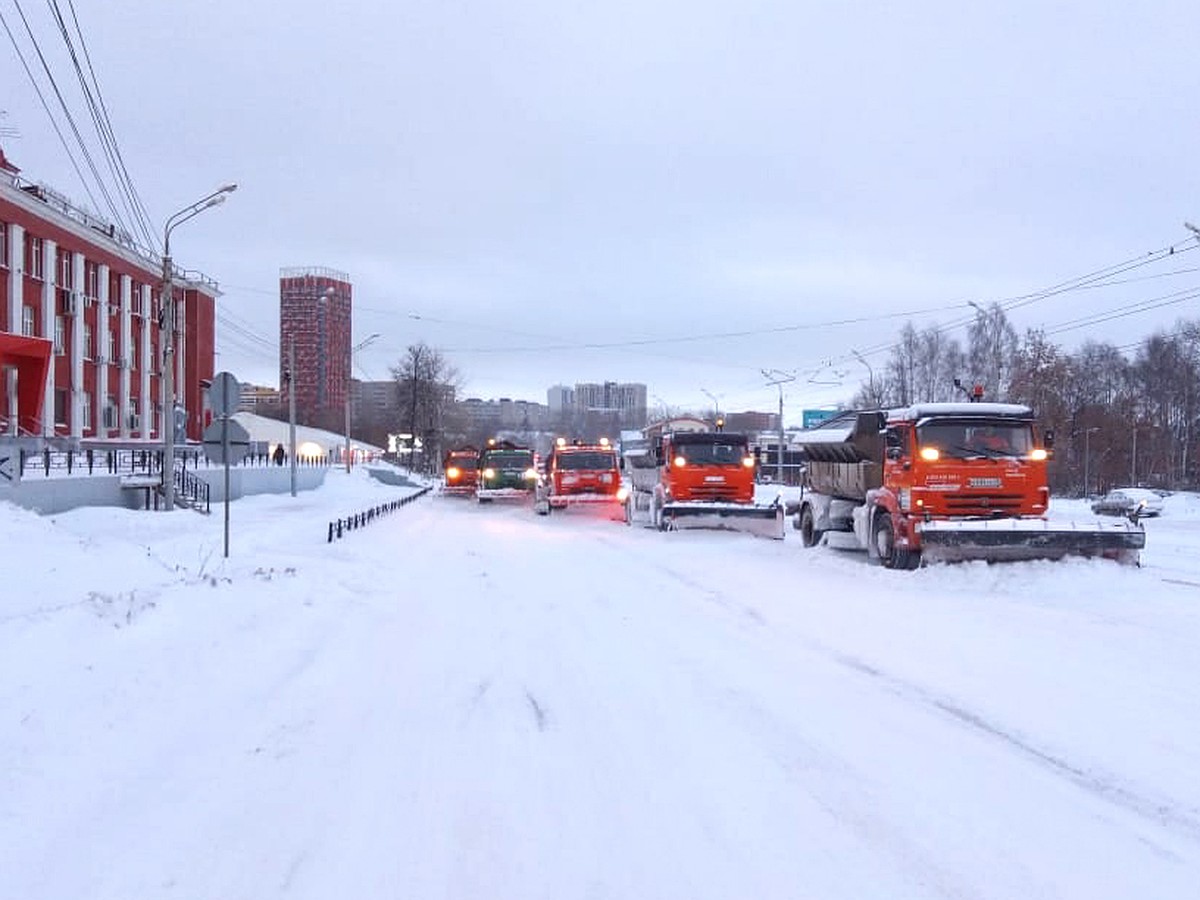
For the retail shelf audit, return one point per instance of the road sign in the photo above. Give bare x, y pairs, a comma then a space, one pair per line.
223, 434
814, 417
224, 394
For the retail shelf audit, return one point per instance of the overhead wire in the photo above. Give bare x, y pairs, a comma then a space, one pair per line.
87, 156
103, 124
49, 113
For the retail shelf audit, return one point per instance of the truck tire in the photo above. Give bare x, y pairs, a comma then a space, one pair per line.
628, 504
806, 524
891, 556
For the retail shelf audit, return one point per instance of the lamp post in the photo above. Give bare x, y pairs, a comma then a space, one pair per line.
715, 401
349, 378
779, 379
1087, 434
168, 325
870, 376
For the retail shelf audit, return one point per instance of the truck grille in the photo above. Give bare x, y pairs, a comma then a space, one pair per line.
723, 492
982, 503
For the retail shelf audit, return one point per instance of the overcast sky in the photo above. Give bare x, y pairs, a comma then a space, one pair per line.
514, 181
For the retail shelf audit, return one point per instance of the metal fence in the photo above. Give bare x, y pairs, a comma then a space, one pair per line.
340, 527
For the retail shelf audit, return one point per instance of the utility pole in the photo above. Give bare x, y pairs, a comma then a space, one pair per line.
291, 379
349, 382
168, 384
778, 379
167, 325
1133, 460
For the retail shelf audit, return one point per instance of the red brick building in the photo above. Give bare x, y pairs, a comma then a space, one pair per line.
80, 289
315, 318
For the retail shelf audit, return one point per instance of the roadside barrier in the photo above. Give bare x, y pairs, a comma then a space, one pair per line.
366, 517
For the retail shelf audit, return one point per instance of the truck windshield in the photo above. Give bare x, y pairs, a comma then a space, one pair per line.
508, 459
464, 462
716, 454
964, 440
587, 460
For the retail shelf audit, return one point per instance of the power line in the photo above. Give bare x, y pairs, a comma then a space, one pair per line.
50, 115
87, 156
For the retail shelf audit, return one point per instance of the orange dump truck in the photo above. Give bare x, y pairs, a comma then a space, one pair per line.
942, 482
699, 479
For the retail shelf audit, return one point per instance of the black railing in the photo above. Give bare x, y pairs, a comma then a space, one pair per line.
192, 490
360, 520
127, 460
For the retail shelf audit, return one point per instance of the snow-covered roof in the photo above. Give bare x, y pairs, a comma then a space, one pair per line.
920, 410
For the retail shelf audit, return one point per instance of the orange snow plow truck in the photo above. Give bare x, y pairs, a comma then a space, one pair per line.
942, 482
580, 474
699, 479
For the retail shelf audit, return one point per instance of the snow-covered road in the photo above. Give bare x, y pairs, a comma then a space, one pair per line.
465, 702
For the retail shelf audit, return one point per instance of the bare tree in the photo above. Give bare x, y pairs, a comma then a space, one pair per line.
427, 386
991, 350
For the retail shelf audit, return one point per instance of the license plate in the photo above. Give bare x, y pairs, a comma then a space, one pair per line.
983, 482
717, 478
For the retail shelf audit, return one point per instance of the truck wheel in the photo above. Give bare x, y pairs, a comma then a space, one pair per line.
656, 514
891, 556
628, 504
810, 536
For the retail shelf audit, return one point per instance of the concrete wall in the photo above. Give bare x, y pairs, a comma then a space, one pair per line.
49, 496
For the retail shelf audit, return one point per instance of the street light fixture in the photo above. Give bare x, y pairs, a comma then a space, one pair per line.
350, 377
216, 198
870, 375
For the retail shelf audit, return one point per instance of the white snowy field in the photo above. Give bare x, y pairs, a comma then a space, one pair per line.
475, 702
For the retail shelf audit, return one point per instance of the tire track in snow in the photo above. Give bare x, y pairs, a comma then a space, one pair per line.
1105, 786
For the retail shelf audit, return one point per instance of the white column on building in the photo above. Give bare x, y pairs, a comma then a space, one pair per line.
16, 276
148, 363
111, 353
49, 276
124, 409
181, 386
16, 290
78, 389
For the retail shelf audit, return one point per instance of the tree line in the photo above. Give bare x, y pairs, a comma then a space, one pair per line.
1115, 420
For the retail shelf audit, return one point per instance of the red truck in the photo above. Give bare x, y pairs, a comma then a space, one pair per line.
580, 474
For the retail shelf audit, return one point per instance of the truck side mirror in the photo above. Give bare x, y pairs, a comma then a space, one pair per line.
1048, 439
658, 452
894, 453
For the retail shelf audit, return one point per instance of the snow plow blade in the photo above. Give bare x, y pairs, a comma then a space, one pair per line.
1021, 539
763, 521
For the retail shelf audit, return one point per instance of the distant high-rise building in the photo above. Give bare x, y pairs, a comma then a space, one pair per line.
315, 315
628, 400
560, 399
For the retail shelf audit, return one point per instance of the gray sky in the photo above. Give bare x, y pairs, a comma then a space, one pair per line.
532, 177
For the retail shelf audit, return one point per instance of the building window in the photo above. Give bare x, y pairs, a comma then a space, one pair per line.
110, 412
91, 278
27, 320
133, 355
60, 406
35, 265
60, 336
86, 414
87, 341
110, 342
66, 271
3, 245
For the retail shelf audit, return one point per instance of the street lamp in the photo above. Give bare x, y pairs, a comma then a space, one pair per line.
870, 375
1087, 434
216, 198
779, 379
349, 377
716, 403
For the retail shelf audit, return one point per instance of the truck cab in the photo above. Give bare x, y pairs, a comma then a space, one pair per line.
459, 470
705, 466
579, 473
505, 471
